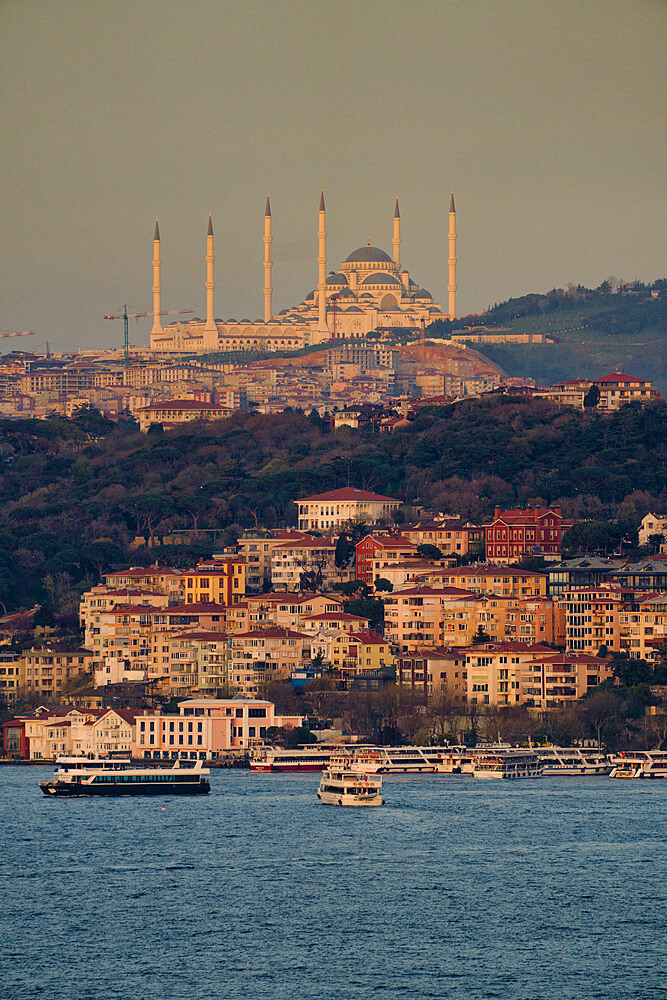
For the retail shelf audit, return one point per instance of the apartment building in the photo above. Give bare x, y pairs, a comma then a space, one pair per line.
266, 655
305, 563
374, 552
553, 680
452, 535
198, 661
592, 617
155, 579
643, 626
220, 581
287, 609
435, 673
505, 581
257, 549
354, 653
45, 671
429, 616
495, 672
10, 670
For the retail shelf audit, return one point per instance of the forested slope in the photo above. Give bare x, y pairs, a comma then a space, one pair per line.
73, 494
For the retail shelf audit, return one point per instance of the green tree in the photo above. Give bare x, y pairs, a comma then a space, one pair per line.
429, 551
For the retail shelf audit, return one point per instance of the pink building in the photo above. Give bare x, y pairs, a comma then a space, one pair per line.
206, 728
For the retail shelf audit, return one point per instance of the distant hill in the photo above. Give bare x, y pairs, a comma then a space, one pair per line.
596, 330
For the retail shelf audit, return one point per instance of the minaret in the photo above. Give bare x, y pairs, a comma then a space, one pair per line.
157, 287
322, 262
397, 236
451, 260
268, 291
210, 326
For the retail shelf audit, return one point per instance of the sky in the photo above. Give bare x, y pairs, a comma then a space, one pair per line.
546, 117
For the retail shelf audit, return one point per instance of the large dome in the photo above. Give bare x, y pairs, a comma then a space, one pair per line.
380, 279
369, 255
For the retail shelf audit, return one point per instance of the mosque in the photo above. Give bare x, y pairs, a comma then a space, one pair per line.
370, 291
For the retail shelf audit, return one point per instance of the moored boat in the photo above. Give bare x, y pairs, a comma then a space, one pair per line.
507, 763
342, 786
640, 764
75, 776
566, 762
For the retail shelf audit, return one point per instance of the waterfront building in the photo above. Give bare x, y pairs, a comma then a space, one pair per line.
339, 508
515, 534
207, 727
371, 290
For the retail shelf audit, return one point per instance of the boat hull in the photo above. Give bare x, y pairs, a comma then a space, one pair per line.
340, 799
288, 768
76, 789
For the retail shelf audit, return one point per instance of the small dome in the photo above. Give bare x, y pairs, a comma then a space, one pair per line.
310, 296
260, 321
378, 278
368, 254
421, 293
353, 309
246, 321
366, 295
336, 279
412, 284
232, 320
345, 293
283, 312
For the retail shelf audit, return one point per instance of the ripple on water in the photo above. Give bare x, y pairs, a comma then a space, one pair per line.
456, 889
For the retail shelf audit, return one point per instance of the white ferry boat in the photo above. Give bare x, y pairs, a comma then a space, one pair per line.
312, 758
342, 786
573, 761
116, 776
640, 764
506, 762
413, 760
369, 759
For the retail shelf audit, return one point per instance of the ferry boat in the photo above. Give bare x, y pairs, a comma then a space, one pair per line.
364, 758
340, 785
640, 764
573, 761
506, 762
413, 760
116, 776
312, 758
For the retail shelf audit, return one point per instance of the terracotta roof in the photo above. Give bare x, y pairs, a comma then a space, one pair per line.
182, 404
273, 632
337, 616
619, 377
369, 638
347, 494
453, 592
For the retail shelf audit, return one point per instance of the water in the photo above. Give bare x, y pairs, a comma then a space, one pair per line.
456, 889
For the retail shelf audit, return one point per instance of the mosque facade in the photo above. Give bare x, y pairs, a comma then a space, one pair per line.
370, 291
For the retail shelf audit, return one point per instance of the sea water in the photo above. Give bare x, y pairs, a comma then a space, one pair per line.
456, 888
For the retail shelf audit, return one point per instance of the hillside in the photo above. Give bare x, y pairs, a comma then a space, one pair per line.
74, 494
596, 331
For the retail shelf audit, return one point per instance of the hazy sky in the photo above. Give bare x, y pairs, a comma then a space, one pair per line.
547, 117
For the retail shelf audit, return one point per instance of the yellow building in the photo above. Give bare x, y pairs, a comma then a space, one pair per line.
355, 653
221, 581
46, 671
371, 290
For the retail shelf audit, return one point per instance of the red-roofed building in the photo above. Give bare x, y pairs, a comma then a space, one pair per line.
514, 534
373, 551
333, 510
617, 389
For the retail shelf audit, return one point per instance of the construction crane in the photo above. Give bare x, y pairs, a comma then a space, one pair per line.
20, 333
125, 316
